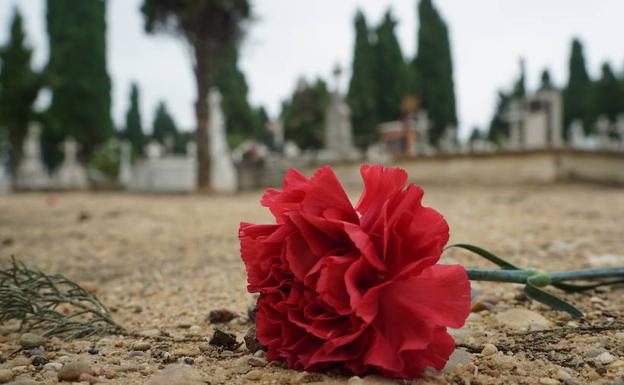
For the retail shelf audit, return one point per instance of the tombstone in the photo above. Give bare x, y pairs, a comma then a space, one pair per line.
223, 176
153, 150
71, 174
338, 135
291, 150
448, 142
276, 128
619, 128
577, 134
515, 116
124, 176
4, 179
422, 125
603, 126
31, 173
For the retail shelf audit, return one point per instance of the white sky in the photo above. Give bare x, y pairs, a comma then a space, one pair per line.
291, 38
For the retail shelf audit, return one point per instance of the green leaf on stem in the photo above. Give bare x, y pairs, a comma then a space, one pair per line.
485, 254
551, 300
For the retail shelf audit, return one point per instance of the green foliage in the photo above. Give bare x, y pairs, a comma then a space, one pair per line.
106, 159
498, 131
134, 129
361, 96
304, 115
390, 71
434, 70
19, 87
578, 91
77, 76
608, 95
239, 115
51, 303
165, 129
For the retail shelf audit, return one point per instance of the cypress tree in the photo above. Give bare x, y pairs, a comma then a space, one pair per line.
577, 93
233, 87
134, 129
608, 95
19, 87
164, 127
434, 70
361, 95
77, 76
390, 71
304, 114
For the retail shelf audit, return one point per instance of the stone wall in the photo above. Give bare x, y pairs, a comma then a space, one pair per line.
545, 166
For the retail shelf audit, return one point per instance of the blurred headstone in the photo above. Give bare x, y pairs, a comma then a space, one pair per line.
603, 126
577, 134
4, 179
619, 127
31, 173
291, 150
338, 140
125, 164
71, 174
223, 176
448, 142
276, 128
515, 116
153, 150
423, 125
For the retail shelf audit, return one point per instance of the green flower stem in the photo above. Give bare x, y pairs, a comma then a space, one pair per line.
521, 276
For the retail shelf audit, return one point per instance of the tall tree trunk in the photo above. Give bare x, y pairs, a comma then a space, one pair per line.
202, 76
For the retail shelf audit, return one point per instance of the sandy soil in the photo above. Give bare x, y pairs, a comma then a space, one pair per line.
162, 263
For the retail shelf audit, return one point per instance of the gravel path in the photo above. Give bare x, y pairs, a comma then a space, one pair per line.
163, 263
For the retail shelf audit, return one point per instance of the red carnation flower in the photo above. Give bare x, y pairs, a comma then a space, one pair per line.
354, 287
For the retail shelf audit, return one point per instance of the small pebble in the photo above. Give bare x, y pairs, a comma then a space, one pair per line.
220, 316
489, 349
39, 361
141, 346
254, 375
30, 340
189, 361
224, 340
605, 358
93, 351
251, 342
548, 381
6, 375
54, 366
563, 375
257, 362
85, 377
72, 370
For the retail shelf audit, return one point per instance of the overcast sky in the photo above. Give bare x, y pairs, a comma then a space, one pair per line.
293, 38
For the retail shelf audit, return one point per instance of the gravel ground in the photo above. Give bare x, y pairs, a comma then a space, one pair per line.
163, 263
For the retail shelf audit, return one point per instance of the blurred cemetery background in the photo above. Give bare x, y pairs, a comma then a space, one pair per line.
135, 136
57, 130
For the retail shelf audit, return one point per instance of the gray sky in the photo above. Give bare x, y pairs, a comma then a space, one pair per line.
291, 38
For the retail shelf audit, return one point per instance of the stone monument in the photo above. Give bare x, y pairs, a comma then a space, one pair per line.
603, 127
619, 128
338, 135
31, 173
422, 125
577, 134
223, 176
71, 175
124, 176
